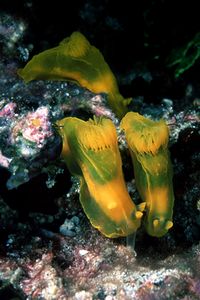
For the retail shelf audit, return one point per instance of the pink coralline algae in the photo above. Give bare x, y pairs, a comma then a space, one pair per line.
34, 127
8, 110
43, 280
4, 161
27, 139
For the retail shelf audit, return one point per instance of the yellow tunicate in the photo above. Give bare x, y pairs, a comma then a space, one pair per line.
91, 152
148, 144
75, 59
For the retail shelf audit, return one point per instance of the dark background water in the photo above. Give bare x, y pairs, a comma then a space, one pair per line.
135, 37
126, 31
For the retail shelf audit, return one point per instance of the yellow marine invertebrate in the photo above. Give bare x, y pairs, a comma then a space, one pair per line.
75, 59
91, 152
147, 141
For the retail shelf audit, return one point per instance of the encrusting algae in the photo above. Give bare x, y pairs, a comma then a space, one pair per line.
75, 59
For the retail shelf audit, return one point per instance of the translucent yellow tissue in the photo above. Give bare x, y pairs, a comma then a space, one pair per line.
75, 59
148, 144
91, 152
